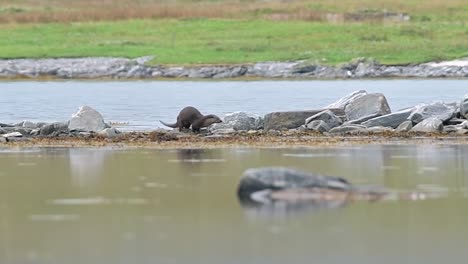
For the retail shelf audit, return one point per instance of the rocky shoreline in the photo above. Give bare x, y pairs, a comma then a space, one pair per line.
362, 115
122, 68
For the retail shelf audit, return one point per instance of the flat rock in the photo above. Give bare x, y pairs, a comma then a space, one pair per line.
291, 119
326, 116
390, 120
437, 110
366, 105
318, 125
431, 124
405, 126
87, 120
362, 119
343, 102
464, 107
54, 129
239, 121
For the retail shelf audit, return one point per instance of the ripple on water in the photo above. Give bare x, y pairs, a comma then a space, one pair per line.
315, 155
196, 160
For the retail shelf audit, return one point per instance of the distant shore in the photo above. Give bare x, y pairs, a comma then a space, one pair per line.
123, 68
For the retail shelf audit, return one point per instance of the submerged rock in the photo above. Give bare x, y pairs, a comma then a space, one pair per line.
437, 110
326, 116
369, 104
431, 124
291, 119
87, 119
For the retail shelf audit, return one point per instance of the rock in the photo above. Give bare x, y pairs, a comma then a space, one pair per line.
450, 129
390, 120
464, 125
347, 128
2, 131
12, 134
405, 126
343, 102
366, 105
462, 131
109, 132
239, 121
362, 119
455, 121
54, 129
257, 184
87, 120
379, 129
6, 125
318, 125
3, 140
292, 119
464, 107
437, 110
431, 124
326, 116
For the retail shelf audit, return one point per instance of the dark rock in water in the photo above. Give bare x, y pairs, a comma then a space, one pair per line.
291, 119
343, 102
258, 184
366, 105
326, 116
437, 110
391, 120
318, 125
464, 107
347, 128
429, 125
54, 129
405, 126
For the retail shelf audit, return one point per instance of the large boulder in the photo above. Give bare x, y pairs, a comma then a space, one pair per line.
238, 121
390, 120
431, 124
366, 105
437, 110
86, 119
326, 116
343, 102
291, 119
464, 107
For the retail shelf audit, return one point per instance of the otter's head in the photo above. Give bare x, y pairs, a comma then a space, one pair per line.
211, 119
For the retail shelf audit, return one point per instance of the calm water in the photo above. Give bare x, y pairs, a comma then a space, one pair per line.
143, 103
108, 206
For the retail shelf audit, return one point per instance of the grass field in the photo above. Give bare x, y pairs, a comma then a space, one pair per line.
221, 32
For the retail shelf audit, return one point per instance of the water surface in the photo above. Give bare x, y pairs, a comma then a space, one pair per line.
107, 206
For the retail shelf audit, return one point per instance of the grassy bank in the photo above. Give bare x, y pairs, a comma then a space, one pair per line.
239, 33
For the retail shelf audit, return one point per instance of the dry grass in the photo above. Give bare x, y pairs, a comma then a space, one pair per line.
42, 11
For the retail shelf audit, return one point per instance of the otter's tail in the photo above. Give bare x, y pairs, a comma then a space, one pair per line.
169, 125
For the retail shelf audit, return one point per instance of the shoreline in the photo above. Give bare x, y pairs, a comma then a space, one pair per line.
128, 69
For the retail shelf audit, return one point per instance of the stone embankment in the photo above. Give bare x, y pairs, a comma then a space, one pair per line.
121, 68
359, 114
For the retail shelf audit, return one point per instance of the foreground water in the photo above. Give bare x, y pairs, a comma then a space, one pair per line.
142, 103
107, 206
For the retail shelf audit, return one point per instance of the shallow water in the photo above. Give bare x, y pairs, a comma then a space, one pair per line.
106, 206
143, 103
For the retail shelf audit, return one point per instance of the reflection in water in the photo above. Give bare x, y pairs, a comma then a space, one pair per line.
79, 206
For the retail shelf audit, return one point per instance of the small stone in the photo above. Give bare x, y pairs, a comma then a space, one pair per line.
431, 124
405, 126
109, 132
347, 128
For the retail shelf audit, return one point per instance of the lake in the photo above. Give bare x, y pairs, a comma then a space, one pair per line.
142, 103
111, 205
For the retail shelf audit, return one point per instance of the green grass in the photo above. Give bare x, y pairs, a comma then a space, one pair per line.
216, 41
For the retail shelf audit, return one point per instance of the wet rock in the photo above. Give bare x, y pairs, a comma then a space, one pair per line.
464, 107
405, 126
390, 120
343, 102
347, 128
258, 184
239, 121
87, 120
318, 125
54, 129
292, 119
431, 124
369, 104
109, 132
326, 116
438, 110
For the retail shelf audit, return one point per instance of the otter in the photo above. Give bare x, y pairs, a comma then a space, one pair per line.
190, 116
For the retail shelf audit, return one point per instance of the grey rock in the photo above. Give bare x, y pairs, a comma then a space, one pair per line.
87, 120
239, 121
2, 131
431, 124
405, 126
464, 107
12, 134
450, 129
5, 125
343, 102
462, 131
362, 119
455, 121
326, 116
291, 119
464, 125
390, 120
3, 140
347, 128
369, 104
109, 132
379, 129
318, 125
22, 130
54, 129
438, 110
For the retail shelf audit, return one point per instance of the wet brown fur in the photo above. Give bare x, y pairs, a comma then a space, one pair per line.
190, 116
